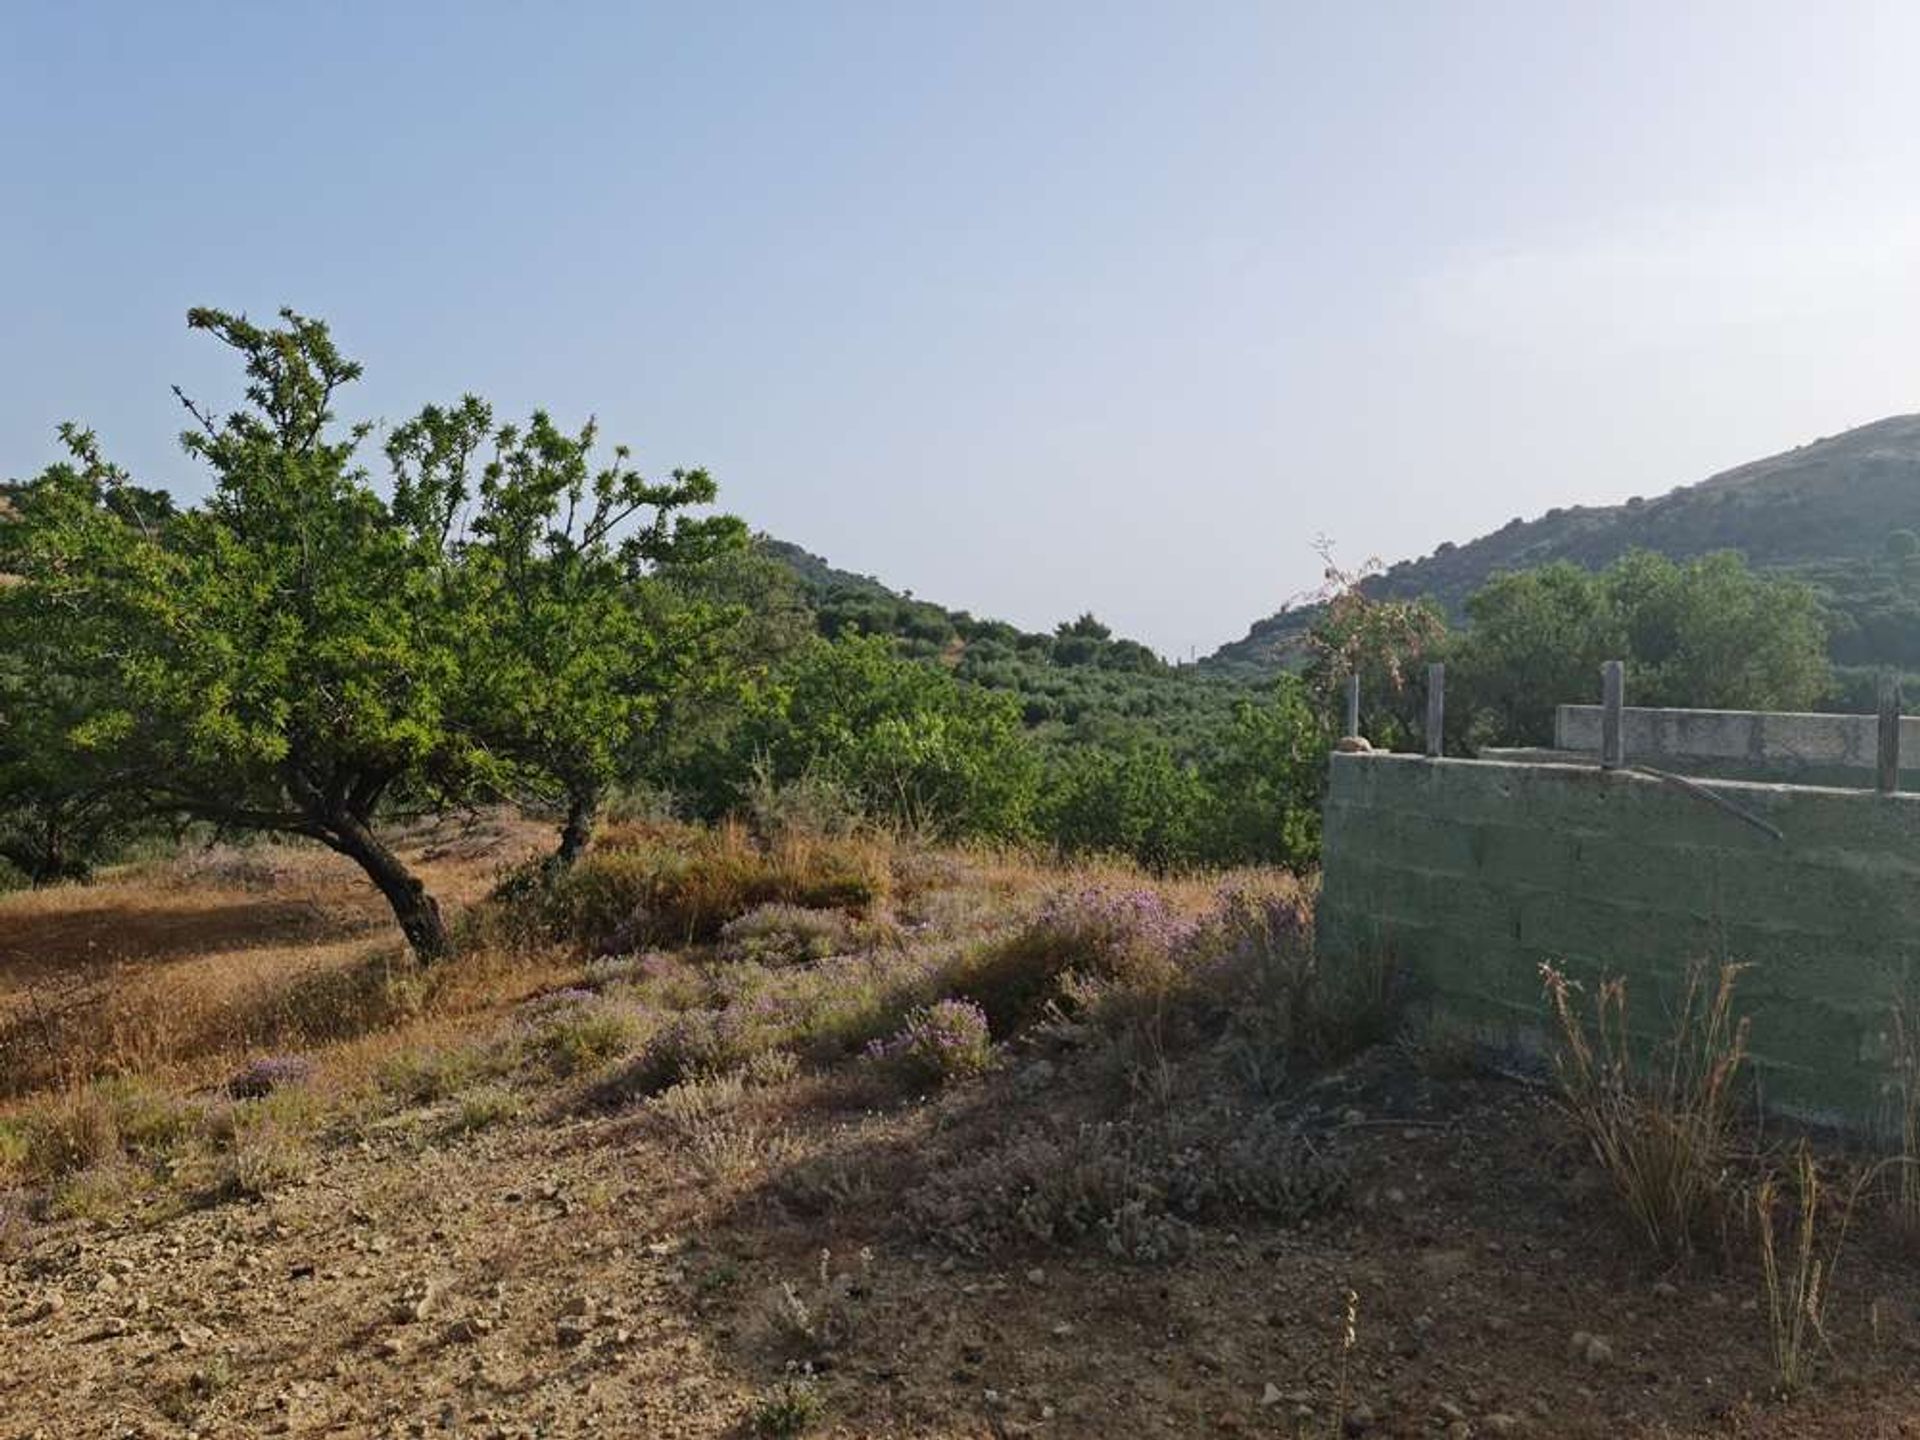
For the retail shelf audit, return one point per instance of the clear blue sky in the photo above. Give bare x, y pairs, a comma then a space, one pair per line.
1029, 308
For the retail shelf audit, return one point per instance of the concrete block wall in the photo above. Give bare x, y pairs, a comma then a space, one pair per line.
1472, 873
1809, 749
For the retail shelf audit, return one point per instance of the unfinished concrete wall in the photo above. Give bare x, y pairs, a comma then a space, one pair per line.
1807, 749
1472, 873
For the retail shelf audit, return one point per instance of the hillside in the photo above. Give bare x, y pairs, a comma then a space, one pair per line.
1838, 512
1079, 683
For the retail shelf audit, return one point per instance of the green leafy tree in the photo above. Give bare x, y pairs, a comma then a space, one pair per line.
286, 656
915, 746
1710, 633
1135, 800
1267, 780
1536, 639
1714, 633
571, 659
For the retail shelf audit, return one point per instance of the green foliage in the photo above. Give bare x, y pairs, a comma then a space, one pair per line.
305, 655
283, 657
575, 647
916, 747
1137, 801
1711, 633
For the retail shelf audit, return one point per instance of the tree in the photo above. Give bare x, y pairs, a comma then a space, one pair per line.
284, 657
575, 658
1710, 633
1267, 781
1536, 639
1382, 641
911, 743
1134, 799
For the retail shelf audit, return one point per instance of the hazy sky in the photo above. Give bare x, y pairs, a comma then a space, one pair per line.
1028, 308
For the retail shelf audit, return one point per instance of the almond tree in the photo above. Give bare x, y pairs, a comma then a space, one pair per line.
575, 652
284, 657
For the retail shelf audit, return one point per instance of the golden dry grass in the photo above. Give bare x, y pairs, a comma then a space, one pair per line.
180, 968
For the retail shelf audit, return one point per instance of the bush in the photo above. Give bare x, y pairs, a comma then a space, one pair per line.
652, 888
788, 1410
1131, 936
265, 1074
784, 935
574, 1031
942, 1042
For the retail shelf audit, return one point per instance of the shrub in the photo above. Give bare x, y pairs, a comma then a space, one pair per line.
686, 1046
485, 1106
1130, 936
573, 1032
1661, 1127
942, 1042
788, 1410
781, 934
1052, 1187
629, 894
97, 1125
99, 1193
426, 1077
1285, 1012
263, 1153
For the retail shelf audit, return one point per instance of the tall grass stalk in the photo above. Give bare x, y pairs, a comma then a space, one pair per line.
1661, 1127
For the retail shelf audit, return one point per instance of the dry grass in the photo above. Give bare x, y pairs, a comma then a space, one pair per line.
1659, 1123
183, 967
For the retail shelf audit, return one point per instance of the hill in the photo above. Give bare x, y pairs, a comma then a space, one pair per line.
1079, 683
1839, 512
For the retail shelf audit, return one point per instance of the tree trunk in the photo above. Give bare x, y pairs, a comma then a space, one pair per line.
417, 911
583, 808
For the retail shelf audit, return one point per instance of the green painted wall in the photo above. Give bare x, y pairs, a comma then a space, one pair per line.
1472, 873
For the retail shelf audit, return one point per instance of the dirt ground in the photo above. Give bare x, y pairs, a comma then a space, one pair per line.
577, 1269
566, 1275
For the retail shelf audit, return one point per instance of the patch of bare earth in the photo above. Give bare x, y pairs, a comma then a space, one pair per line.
575, 1274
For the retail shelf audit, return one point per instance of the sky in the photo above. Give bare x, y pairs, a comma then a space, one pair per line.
1027, 308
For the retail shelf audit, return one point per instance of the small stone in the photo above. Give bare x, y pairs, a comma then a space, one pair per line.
1665, 1290
570, 1333
1447, 1410
1598, 1351
1063, 1329
391, 1349
1036, 1276
1459, 1430
1501, 1423
1271, 1396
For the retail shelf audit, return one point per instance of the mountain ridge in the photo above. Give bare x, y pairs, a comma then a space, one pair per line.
1822, 512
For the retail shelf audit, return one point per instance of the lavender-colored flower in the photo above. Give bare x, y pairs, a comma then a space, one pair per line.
946, 1040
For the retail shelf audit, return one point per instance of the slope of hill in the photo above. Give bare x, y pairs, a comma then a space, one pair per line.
1839, 512
1079, 683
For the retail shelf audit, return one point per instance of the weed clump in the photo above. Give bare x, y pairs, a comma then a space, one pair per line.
1128, 937
1136, 1189
654, 885
790, 1409
1661, 1127
940, 1043
782, 934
